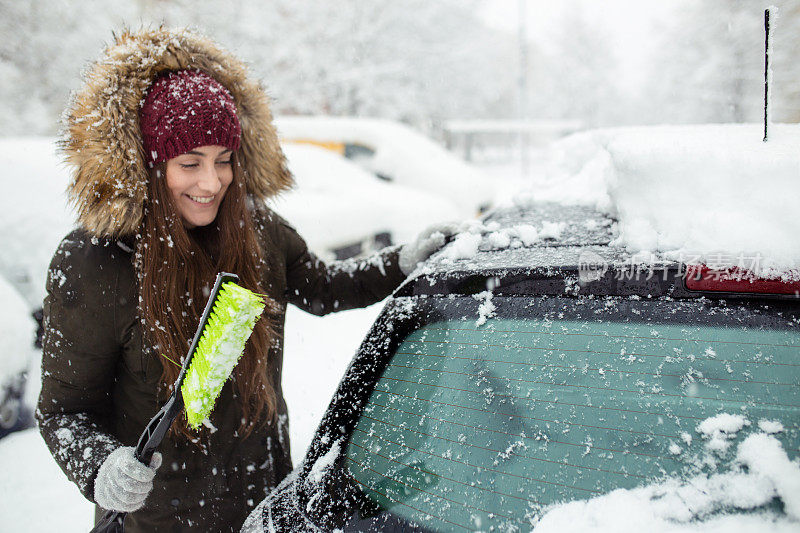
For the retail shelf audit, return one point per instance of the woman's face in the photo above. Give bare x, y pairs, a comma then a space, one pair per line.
197, 181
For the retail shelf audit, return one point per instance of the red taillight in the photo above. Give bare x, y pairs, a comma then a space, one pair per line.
703, 278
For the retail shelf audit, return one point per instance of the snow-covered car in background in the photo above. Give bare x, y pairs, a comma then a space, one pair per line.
398, 154
17, 352
343, 211
33, 219
545, 369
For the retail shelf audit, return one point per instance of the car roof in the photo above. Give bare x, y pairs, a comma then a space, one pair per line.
574, 249
574, 230
583, 225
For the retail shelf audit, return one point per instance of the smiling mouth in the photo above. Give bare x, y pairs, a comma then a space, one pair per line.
202, 199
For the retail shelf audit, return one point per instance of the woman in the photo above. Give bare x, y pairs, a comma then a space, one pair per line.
174, 153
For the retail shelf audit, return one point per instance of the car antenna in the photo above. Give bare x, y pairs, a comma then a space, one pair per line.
767, 68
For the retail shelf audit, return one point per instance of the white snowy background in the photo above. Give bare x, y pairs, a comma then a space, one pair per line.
425, 63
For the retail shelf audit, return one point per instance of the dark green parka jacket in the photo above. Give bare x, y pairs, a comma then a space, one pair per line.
100, 388
100, 383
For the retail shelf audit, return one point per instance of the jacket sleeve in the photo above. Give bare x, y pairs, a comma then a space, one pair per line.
321, 288
80, 354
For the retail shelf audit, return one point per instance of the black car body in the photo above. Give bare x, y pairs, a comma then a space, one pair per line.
498, 384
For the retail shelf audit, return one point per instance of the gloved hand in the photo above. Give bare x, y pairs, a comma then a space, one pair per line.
430, 240
123, 483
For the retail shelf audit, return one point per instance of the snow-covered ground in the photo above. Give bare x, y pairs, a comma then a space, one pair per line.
325, 344
710, 190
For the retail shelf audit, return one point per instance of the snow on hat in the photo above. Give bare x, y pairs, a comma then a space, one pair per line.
186, 109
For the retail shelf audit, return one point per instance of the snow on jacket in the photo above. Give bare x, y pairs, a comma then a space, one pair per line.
99, 380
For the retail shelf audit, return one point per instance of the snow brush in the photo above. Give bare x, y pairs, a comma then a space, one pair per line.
227, 322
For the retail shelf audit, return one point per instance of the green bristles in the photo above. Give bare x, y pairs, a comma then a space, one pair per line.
221, 344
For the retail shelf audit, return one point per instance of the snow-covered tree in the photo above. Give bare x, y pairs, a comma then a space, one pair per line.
711, 68
403, 60
573, 73
44, 45
786, 65
415, 60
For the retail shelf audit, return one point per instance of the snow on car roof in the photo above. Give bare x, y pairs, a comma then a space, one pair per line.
710, 193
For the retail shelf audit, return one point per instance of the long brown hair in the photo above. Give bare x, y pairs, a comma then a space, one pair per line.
176, 268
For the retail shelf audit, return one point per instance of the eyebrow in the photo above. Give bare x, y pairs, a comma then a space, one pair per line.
195, 152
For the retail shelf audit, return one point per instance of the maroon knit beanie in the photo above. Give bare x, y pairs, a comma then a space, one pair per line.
186, 109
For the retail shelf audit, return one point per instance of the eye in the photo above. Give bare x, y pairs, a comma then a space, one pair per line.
189, 165
228, 162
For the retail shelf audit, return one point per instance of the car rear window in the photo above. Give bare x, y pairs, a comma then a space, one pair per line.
481, 426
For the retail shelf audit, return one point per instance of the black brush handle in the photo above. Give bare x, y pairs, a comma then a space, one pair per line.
112, 522
153, 434
157, 428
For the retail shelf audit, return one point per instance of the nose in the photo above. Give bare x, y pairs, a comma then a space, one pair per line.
208, 180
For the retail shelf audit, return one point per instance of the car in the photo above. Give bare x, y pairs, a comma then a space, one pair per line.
398, 154
17, 339
500, 382
343, 212
539, 371
33, 219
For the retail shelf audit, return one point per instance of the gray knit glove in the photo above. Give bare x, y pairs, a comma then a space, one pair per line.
123, 483
430, 240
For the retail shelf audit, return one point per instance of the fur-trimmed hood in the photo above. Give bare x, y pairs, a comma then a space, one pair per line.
102, 140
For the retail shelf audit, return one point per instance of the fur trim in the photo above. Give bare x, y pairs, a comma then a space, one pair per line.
102, 140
